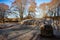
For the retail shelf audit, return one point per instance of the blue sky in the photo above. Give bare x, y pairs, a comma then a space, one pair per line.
42, 1
9, 2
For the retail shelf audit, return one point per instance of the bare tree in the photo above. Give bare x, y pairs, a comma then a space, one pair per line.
3, 8
21, 5
32, 8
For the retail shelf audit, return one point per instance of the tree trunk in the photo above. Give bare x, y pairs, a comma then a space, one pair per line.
21, 16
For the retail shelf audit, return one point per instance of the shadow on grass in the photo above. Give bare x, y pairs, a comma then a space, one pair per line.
34, 34
22, 28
